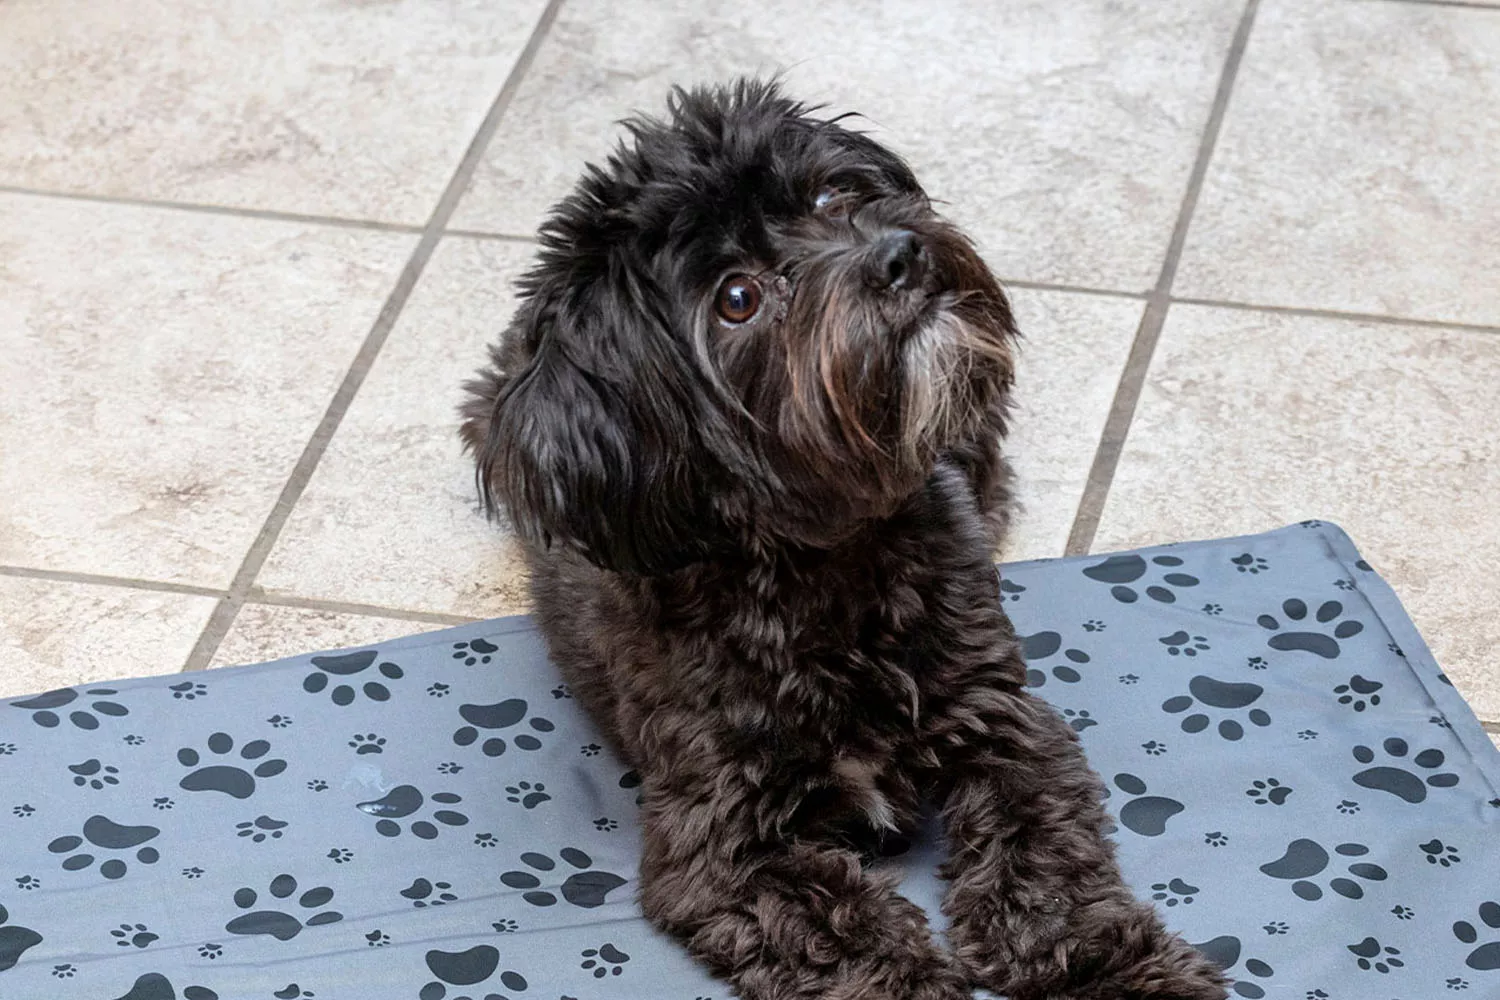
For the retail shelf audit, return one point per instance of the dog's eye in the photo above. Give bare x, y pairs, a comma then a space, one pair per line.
739, 299
830, 200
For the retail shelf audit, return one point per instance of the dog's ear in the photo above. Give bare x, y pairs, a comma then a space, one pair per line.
580, 433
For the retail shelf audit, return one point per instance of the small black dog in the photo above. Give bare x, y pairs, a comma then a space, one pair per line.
746, 422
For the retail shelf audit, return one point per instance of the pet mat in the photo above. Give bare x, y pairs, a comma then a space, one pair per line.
1298, 788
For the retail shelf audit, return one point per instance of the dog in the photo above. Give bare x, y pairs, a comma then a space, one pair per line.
746, 424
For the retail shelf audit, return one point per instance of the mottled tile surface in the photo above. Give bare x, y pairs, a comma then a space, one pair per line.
56, 635
1073, 350
162, 371
264, 632
1249, 420
391, 516
336, 108
1061, 134
1356, 167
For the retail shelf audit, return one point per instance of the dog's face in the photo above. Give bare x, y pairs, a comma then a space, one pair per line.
749, 327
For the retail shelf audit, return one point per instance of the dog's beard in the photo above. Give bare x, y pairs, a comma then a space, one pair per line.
947, 370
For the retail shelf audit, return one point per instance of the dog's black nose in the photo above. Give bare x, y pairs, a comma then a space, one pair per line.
897, 261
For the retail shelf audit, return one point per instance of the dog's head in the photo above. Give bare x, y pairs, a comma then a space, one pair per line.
747, 328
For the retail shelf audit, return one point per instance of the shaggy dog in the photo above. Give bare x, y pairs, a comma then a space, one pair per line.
746, 423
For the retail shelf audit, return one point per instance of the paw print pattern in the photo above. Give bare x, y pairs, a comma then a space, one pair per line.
1359, 693
1010, 590
1225, 953
1079, 719
1370, 954
1154, 748
1348, 807
403, 801
260, 829
1319, 643
1222, 695
585, 888
469, 968
1439, 853
133, 936
1484, 958
26, 883
1179, 643
1276, 927
107, 835
474, 651
377, 938
229, 775
41, 707
1252, 564
1094, 625
1268, 792
188, 690
1395, 778
1144, 814
1403, 912
424, 893
526, 794
347, 665
278, 923
605, 960
1215, 838
1305, 859
339, 855
1174, 891
366, 743
1120, 571
1043, 646
500, 715
92, 774
606, 825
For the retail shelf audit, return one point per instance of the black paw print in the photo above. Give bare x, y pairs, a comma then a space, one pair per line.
1144, 814
1456, 983
1215, 838
438, 690
1173, 892
1179, 643
1213, 609
6, 749
23, 811
1359, 693
188, 690
526, 794
1394, 777
339, 855
317, 785
162, 803
1123, 570
1305, 859
1010, 590
585, 888
1318, 643
1344, 584
505, 926
347, 665
133, 740
605, 825
1252, 564
15, 940
1079, 719
1307, 734
93, 774
26, 883
363, 743
605, 960
1221, 695
279, 924
1153, 748
449, 767
1127, 678
562, 691
1485, 958
486, 840
227, 775
468, 968
1268, 792
279, 721
1403, 912
1276, 927
1225, 953
377, 939
132, 935
64, 971
474, 651
1348, 807
423, 893
1370, 954
1094, 625
41, 707
292, 991
404, 800
501, 715
1439, 853
192, 873
1041, 647
590, 749
105, 834
1256, 663
260, 829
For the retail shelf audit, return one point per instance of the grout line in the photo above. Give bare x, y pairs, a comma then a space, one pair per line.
1461, 4
1049, 286
244, 213
100, 580
228, 607
258, 596
1340, 314
475, 234
1491, 727
1128, 392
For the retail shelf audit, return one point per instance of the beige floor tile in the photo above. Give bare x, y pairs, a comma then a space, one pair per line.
266, 632
1070, 364
1061, 134
1356, 167
351, 109
1250, 421
162, 371
55, 635
390, 516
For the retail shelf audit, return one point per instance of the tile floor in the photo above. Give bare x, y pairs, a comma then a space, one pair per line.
248, 252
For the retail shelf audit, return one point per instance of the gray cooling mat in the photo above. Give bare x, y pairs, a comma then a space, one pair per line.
1299, 789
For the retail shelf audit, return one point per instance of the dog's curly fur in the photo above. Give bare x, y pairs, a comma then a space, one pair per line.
761, 554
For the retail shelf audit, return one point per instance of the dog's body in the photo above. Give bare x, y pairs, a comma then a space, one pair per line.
747, 423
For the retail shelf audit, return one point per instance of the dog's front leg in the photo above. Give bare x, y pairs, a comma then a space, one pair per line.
1038, 907
783, 920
